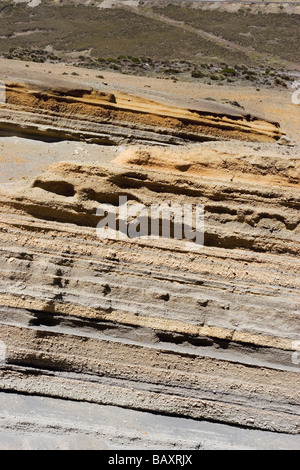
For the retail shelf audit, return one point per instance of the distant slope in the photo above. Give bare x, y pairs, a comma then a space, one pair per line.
269, 33
156, 30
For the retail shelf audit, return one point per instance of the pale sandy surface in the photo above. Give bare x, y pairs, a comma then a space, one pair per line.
21, 159
271, 103
51, 426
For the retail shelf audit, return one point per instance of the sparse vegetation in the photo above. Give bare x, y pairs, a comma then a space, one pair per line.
165, 69
197, 74
130, 43
228, 71
270, 33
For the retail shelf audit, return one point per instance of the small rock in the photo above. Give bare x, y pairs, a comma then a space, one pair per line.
236, 103
285, 140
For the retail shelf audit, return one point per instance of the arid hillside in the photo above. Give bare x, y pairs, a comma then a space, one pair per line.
151, 36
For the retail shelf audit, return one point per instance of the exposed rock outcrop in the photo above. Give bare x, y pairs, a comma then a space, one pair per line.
151, 324
61, 111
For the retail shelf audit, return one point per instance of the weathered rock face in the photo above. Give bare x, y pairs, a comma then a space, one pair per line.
64, 111
149, 324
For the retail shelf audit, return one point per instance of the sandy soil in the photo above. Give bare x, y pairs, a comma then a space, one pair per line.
21, 159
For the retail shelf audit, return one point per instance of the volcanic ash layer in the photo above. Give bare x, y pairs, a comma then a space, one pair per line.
147, 324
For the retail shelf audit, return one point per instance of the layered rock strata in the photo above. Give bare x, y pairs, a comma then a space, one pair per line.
65, 111
208, 333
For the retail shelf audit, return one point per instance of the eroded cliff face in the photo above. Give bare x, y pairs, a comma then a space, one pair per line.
154, 324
